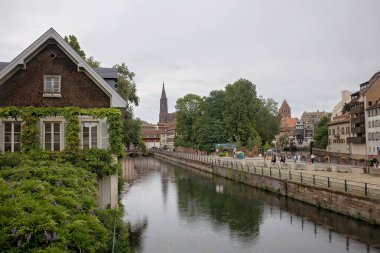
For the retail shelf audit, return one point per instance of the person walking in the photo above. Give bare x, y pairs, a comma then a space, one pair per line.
312, 158
273, 161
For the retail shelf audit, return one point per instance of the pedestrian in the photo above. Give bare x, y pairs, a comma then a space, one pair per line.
273, 161
295, 158
312, 158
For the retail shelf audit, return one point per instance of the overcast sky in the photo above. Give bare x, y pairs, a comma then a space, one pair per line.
306, 51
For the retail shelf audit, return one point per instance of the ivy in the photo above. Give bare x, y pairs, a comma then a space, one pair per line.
31, 116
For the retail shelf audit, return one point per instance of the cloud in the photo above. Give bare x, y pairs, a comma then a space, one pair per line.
303, 50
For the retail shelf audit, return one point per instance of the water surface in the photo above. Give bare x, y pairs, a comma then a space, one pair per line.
178, 209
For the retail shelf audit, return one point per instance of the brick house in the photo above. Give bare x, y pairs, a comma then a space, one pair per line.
49, 73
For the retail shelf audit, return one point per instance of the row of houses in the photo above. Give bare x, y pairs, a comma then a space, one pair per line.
354, 129
160, 135
300, 131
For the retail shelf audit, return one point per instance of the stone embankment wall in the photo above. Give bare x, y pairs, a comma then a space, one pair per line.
344, 203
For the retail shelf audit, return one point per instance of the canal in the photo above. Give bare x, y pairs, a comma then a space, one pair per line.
172, 208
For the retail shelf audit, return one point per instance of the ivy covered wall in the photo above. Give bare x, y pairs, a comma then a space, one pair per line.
31, 116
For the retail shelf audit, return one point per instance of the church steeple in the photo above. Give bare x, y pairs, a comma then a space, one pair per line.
163, 106
163, 93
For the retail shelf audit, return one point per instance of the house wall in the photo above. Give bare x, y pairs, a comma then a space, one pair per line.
339, 145
358, 151
373, 133
102, 134
373, 94
25, 87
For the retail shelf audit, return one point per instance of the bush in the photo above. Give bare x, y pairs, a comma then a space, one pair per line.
10, 159
50, 207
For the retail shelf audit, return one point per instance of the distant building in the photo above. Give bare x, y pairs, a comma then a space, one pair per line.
357, 139
150, 135
310, 121
164, 116
299, 133
287, 123
167, 135
339, 131
345, 99
285, 110
372, 115
339, 128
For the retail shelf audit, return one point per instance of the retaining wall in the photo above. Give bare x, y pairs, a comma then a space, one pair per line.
357, 207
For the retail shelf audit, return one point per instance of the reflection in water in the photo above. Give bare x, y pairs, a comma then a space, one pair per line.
191, 211
136, 232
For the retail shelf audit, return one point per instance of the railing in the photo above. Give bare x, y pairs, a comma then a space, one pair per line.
361, 189
356, 140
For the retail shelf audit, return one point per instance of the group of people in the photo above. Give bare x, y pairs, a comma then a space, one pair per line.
296, 158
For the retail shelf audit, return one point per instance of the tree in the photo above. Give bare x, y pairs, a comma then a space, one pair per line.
346, 108
131, 129
321, 133
240, 110
284, 140
267, 119
73, 42
188, 111
126, 86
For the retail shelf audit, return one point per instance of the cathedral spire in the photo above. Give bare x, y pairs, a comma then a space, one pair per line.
163, 93
163, 106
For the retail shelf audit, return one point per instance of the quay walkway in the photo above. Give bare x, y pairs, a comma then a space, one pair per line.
350, 179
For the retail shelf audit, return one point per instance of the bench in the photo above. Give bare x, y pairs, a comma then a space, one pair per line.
300, 166
321, 167
343, 168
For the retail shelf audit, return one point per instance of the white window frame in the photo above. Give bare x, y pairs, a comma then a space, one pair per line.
98, 134
50, 79
12, 134
61, 142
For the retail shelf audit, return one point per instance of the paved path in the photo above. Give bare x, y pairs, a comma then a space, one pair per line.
356, 174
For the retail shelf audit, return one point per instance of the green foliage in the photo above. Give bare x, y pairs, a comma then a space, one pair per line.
10, 159
48, 202
346, 108
267, 119
74, 43
188, 110
267, 146
31, 116
240, 111
321, 134
126, 86
234, 115
48, 206
132, 130
92, 62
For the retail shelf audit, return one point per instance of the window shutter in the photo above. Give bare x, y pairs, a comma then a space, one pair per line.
104, 135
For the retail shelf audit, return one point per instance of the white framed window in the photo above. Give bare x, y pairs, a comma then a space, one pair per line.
52, 85
52, 136
12, 130
90, 134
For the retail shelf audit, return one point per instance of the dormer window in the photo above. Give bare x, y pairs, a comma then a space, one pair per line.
52, 86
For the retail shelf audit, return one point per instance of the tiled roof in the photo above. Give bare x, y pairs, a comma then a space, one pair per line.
107, 73
288, 122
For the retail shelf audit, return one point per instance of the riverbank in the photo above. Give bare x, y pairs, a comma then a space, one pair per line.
334, 196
